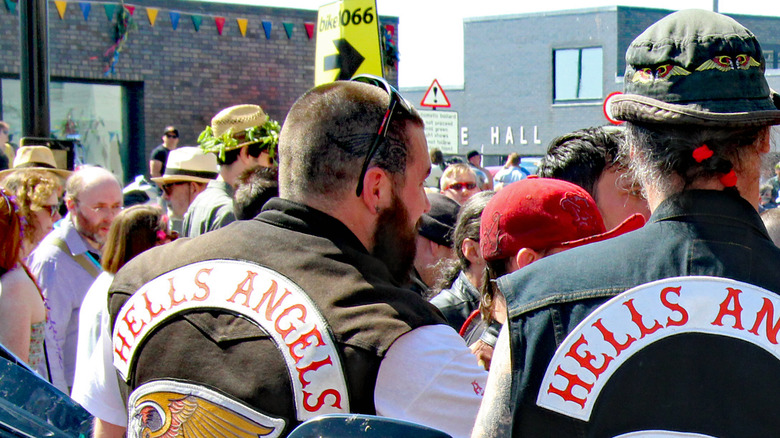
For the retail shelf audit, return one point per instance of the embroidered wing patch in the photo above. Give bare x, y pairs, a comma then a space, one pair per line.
168, 409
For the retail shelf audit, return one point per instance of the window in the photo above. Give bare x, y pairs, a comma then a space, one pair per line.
578, 74
90, 113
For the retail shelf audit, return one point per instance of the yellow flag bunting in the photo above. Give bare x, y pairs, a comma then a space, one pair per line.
152, 14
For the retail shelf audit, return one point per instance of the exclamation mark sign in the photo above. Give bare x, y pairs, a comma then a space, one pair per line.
435, 93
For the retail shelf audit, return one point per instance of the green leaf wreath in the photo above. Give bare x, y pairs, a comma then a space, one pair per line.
267, 135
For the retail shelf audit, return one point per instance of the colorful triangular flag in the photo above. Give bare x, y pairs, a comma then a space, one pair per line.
11, 6
174, 19
309, 29
196, 20
110, 9
130, 9
151, 13
85, 8
61, 6
288, 27
267, 29
242, 25
220, 22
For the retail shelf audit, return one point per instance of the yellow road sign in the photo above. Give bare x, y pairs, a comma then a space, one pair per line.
347, 41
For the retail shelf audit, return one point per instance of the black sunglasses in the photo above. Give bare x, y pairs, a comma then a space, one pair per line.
395, 99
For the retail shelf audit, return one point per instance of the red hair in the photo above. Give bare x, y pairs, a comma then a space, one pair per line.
10, 232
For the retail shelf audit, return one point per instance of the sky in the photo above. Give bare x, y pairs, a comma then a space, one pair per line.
430, 32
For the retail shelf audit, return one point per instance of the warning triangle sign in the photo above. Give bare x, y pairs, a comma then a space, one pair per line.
435, 97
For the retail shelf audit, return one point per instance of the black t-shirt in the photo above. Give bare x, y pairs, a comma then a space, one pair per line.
160, 153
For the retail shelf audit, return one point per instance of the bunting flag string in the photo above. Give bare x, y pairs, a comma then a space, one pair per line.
288, 28
242, 22
11, 6
175, 19
151, 13
61, 6
196, 20
267, 29
110, 9
85, 8
309, 29
220, 22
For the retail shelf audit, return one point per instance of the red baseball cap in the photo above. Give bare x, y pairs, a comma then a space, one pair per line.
543, 213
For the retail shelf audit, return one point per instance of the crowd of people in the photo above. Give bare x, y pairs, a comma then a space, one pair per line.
333, 264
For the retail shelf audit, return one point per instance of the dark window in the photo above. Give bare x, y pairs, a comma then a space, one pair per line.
578, 74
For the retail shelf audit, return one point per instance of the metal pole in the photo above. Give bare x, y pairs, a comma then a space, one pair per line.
34, 30
715, 5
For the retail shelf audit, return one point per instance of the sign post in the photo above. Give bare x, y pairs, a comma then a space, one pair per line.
347, 41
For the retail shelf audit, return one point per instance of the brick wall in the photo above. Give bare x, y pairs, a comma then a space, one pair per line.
186, 76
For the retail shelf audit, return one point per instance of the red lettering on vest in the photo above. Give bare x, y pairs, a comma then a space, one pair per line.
302, 318
303, 341
586, 360
122, 347
674, 307
735, 311
610, 337
171, 292
574, 381
245, 288
270, 294
767, 311
130, 324
321, 400
314, 366
637, 318
149, 306
202, 285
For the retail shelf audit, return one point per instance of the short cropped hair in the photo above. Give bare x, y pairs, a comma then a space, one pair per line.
255, 187
453, 171
327, 135
580, 157
771, 220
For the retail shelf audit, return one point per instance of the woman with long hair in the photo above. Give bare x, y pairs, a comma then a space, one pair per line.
22, 309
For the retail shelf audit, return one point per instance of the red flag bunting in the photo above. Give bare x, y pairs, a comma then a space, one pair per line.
220, 22
130, 9
309, 29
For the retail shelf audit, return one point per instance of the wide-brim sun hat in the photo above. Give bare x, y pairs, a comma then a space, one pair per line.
36, 158
189, 164
696, 67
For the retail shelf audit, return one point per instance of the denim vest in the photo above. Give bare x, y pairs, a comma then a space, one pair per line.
709, 233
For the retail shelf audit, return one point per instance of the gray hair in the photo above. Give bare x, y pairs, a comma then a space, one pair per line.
84, 178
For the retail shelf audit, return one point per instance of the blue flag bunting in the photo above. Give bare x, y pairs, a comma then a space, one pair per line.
85, 8
267, 29
175, 19
110, 9
11, 6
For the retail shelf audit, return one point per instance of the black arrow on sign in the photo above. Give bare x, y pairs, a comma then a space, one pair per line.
348, 59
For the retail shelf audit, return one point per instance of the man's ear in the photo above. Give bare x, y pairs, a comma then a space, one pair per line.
377, 189
525, 257
70, 203
470, 249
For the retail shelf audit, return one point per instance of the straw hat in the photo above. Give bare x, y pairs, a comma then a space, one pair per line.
239, 126
189, 164
37, 158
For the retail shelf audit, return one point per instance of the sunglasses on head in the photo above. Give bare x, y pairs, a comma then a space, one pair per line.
384, 127
461, 186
